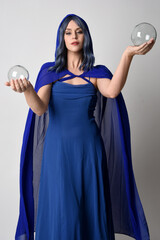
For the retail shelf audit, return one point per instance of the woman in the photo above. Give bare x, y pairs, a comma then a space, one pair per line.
84, 189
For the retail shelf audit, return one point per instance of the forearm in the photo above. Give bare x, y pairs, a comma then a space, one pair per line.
120, 75
34, 101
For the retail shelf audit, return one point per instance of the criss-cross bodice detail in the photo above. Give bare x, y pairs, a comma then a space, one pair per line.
71, 75
74, 75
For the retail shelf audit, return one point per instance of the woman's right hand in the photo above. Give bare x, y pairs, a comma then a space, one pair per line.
19, 85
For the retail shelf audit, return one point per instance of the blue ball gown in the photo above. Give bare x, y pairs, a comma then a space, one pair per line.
74, 197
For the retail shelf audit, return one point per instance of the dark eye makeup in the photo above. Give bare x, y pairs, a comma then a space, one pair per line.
68, 33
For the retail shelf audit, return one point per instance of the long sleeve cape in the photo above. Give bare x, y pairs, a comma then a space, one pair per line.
112, 119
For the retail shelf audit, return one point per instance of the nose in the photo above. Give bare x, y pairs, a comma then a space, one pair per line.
74, 35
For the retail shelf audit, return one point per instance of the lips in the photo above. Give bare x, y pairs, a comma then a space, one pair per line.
75, 43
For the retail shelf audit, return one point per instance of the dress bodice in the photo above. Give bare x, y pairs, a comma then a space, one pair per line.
71, 108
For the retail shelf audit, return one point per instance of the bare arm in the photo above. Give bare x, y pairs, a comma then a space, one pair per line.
38, 102
111, 88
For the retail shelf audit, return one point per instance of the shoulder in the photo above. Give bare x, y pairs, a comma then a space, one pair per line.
102, 68
102, 71
44, 76
47, 65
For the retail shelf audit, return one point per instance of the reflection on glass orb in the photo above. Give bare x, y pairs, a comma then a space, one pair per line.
142, 33
17, 72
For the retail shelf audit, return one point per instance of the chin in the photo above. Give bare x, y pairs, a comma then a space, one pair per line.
75, 50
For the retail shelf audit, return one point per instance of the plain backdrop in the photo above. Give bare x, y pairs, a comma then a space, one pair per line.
28, 37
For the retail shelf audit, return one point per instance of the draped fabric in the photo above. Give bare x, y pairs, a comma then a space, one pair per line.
112, 119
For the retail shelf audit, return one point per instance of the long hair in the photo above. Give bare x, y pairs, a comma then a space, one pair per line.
88, 58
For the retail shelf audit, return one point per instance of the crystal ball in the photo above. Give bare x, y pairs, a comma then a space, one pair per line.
17, 72
142, 33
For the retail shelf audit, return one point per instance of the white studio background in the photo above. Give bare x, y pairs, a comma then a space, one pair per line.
28, 37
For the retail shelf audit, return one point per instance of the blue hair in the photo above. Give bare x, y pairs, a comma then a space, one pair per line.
61, 50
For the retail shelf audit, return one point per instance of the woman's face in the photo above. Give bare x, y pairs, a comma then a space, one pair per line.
73, 33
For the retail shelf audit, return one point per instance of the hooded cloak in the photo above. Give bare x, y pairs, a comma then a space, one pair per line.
112, 119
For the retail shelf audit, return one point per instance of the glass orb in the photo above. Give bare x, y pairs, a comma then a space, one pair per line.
17, 72
142, 33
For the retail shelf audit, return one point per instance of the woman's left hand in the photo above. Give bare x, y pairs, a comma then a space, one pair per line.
140, 50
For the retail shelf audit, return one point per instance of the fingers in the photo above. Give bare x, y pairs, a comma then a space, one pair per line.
142, 46
26, 83
145, 47
12, 83
7, 83
19, 85
22, 87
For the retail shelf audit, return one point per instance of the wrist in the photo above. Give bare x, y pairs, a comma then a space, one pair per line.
29, 88
128, 53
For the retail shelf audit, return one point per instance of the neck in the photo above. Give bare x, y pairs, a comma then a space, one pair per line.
74, 60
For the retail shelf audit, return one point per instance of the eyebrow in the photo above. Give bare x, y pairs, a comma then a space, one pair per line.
71, 29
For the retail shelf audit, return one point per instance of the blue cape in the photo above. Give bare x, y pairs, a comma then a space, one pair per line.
112, 119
